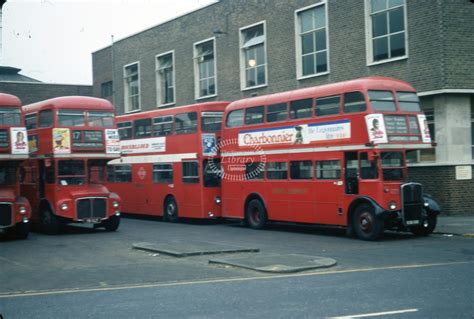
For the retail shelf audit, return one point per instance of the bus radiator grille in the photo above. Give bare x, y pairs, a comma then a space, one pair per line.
91, 208
412, 196
6, 218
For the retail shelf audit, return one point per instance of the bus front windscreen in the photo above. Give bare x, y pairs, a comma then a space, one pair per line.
100, 119
71, 172
10, 116
393, 166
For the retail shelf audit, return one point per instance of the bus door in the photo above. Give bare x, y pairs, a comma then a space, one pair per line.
191, 195
141, 173
329, 192
29, 182
368, 174
351, 179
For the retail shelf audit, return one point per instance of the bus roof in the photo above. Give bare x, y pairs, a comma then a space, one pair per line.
9, 100
362, 84
198, 107
70, 102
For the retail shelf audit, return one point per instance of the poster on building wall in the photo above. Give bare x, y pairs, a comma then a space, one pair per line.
299, 134
376, 128
464, 172
112, 141
209, 147
424, 128
144, 145
61, 141
19, 140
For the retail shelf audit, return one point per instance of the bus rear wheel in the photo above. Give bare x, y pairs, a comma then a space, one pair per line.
366, 224
170, 211
255, 214
49, 223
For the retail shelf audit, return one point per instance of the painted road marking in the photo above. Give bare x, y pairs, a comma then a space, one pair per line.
213, 281
376, 314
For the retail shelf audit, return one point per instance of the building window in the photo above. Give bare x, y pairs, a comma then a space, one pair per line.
106, 89
253, 56
132, 87
312, 41
387, 29
205, 68
429, 155
165, 78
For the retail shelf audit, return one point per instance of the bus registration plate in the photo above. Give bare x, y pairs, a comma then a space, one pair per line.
412, 222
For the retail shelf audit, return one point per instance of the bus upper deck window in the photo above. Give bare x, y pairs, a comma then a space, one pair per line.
301, 109
277, 112
125, 130
71, 118
10, 116
211, 121
382, 101
254, 115
328, 105
185, 123
354, 102
235, 118
409, 101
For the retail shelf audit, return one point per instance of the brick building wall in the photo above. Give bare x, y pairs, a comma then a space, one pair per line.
35, 92
425, 66
455, 196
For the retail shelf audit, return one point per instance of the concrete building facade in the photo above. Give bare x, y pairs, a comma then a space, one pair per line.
233, 49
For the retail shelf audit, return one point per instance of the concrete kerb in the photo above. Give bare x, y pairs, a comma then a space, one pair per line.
274, 263
181, 250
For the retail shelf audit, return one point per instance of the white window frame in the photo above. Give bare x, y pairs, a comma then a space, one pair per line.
242, 56
158, 79
126, 103
368, 36
196, 69
299, 58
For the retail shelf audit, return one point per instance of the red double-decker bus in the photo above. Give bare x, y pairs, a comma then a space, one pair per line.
70, 141
333, 155
15, 211
170, 166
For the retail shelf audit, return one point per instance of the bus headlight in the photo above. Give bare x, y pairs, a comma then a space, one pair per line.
64, 206
115, 204
392, 205
426, 204
217, 200
22, 210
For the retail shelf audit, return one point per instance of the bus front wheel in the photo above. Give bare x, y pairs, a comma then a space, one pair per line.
255, 214
111, 224
425, 230
170, 213
366, 224
49, 223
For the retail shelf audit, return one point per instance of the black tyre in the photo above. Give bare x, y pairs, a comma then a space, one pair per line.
425, 231
22, 230
170, 210
49, 223
255, 214
366, 224
111, 224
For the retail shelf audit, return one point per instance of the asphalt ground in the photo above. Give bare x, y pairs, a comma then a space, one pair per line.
87, 262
